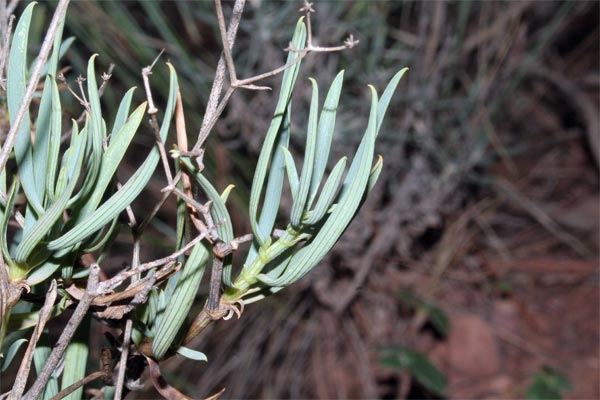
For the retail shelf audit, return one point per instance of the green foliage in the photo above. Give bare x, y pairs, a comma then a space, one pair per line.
437, 316
548, 384
73, 202
417, 364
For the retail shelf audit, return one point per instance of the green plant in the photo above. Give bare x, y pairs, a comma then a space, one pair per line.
63, 204
548, 384
417, 364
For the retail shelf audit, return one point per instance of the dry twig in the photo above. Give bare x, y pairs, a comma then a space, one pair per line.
66, 335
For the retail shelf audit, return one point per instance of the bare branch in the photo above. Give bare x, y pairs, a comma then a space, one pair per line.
58, 351
217, 87
6, 31
23, 373
225, 41
106, 286
135, 262
146, 71
70, 389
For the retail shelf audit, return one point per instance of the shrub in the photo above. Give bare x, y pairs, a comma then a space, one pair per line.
61, 211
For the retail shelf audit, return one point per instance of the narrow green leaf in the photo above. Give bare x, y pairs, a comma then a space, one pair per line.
10, 204
287, 84
95, 113
316, 248
192, 354
218, 212
292, 173
418, 365
63, 174
273, 191
181, 215
76, 357
15, 92
47, 220
328, 193
375, 172
181, 301
42, 138
122, 113
25, 320
112, 158
325, 134
386, 97
436, 315
299, 206
128, 192
54, 141
96, 132
548, 384
40, 356
104, 237
382, 107
58, 51
225, 195
12, 352
42, 273
44, 120
3, 188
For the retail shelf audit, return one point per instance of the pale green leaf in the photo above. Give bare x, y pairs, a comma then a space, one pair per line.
288, 81
112, 158
42, 273
316, 248
192, 354
122, 113
325, 134
180, 302
40, 356
54, 142
15, 92
298, 208
76, 357
12, 352
128, 192
292, 173
328, 193
39, 230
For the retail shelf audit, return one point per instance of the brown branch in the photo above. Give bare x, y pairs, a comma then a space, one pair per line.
146, 71
66, 335
44, 316
215, 108
70, 389
217, 87
106, 286
6, 31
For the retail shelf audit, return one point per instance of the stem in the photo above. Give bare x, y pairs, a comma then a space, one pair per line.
249, 276
65, 338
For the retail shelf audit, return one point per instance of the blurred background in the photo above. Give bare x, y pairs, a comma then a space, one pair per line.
472, 270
